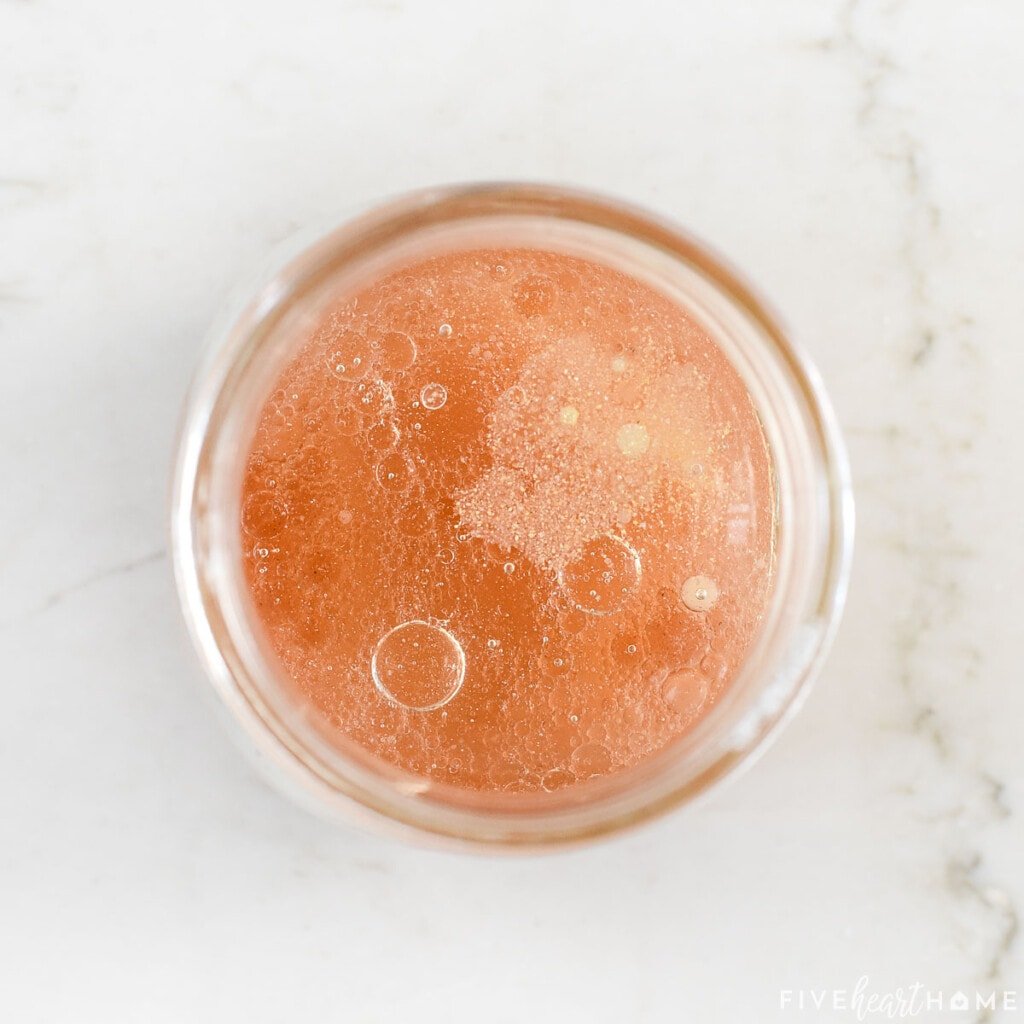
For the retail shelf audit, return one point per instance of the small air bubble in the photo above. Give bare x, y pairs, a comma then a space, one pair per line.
556, 661
700, 593
445, 330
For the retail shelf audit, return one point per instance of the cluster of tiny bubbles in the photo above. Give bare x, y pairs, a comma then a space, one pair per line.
418, 665
699, 593
632, 439
376, 399
433, 396
348, 360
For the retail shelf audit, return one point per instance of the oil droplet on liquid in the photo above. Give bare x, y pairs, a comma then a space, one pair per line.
394, 472
715, 667
684, 692
591, 759
557, 778
383, 436
418, 666
264, 514
433, 396
603, 577
397, 351
534, 295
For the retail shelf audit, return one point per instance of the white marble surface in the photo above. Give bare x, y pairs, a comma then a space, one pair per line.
863, 161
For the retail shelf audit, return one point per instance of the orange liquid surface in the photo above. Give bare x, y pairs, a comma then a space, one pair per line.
507, 519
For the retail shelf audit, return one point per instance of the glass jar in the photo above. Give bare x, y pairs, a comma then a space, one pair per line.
813, 538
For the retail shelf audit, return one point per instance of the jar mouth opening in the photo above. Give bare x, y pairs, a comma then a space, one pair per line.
813, 489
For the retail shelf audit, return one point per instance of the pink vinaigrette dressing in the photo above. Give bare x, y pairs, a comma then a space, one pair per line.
507, 519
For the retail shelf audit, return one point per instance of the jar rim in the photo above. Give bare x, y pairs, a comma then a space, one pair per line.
304, 763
